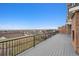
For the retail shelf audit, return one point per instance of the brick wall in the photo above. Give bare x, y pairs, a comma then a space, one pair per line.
62, 29
75, 31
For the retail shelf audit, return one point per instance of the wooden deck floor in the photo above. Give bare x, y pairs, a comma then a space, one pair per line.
58, 45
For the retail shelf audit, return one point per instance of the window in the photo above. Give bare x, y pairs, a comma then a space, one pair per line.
73, 4
73, 35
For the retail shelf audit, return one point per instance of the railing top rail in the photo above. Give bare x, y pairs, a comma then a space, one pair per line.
11, 39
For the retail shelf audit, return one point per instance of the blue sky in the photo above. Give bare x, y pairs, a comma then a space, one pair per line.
32, 16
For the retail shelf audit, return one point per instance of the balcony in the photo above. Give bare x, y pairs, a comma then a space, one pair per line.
47, 44
58, 45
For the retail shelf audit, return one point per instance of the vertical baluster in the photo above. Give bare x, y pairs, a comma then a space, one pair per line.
39, 38
9, 47
20, 45
34, 41
45, 36
23, 44
42, 37
12, 48
2, 48
6, 48
26, 43
17, 46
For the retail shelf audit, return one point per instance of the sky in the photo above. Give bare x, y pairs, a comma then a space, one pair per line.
32, 15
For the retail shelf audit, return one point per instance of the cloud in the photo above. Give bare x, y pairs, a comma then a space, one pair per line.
10, 26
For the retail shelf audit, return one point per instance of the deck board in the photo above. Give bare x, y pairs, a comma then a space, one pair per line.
57, 45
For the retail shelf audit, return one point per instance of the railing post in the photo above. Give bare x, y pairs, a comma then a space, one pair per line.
12, 48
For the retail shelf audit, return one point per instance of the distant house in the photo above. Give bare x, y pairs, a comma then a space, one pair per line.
62, 29
2, 38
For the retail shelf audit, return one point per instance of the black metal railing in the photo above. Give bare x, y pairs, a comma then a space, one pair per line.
12, 47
